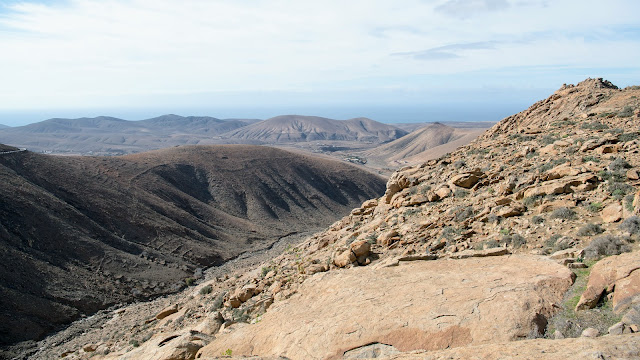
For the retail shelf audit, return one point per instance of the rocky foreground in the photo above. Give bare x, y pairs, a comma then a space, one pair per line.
522, 244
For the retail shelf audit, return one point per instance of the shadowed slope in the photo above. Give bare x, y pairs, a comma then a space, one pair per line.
79, 233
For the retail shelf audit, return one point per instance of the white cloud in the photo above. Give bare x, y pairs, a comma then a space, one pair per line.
96, 53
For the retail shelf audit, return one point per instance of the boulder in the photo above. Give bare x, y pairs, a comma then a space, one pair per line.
345, 258
515, 209
386, 238
632, 174
315, 268
443, 192
417, 305
612, 213
620, 274
498, 251
590, 332
360, 248
466, 180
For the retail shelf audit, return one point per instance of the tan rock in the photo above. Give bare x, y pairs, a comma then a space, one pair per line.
386, 238
432, 196
612, 213
560, 186
179, 346
632, 174
443, 192
466, 180
345, 258
370, 204
498, 251
607, 149
561, 171
613, 272
172, 309
515, 209
315, 268
590, 332
548, 150
418, 305
360, 248
607, 347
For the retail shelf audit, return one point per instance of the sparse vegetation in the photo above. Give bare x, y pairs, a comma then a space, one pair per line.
594, 206
628, 202
590, 230
465, 214
631, 225
606, 245
595, 125
619, 164
627, 111
190, 281
515, 240
460, 193
563, 213
537, 219
206, 290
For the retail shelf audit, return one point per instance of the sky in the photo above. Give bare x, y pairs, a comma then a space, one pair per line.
393, 61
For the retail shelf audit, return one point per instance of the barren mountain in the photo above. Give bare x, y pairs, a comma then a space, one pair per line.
421, 145
81, 233
297, 128
3, 126
505, 247
468, 125
108, 135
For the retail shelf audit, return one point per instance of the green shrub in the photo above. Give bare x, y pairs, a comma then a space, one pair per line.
619, 190
531, 200
134, 343
492, 244
624, 137
595, 206
590, 230
590, 158
190, 281
217, 301
563, 213
537, 219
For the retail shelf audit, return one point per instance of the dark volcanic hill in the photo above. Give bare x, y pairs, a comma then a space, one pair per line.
108, 135
80, 233
297, 128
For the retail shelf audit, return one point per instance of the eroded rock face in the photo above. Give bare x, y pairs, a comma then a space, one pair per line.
620, 273
417, 305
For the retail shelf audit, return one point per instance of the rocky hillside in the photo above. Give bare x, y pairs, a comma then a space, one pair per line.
297, 128
78, 234
497, 242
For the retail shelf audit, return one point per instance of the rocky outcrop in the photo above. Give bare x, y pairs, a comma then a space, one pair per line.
418, 305
619, 275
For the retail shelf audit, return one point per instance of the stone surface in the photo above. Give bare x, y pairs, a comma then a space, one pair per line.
590, 332
612, 213
417, 305
172, 309
619, 272
609, 347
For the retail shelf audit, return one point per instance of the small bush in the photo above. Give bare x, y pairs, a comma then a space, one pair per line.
206, 290
515, 240
492, 244
190, 281
494, 219
240, 315
624, 137
563, 213
619, 164
595, 125
548, 139
627, 111
550, 243
460, 193
619, 190
595, 206
537, 219
628, 202
631, 225
605, 246
134, 343
531, 200
465, 214
590, 158
459, 164
590, 230
217, 301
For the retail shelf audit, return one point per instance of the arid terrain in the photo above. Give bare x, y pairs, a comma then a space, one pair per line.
379, 147
83, 233
520, 244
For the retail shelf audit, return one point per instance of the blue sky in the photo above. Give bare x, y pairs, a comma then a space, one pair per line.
258, 58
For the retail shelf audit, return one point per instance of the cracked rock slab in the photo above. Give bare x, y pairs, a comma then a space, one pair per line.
416, 305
